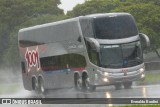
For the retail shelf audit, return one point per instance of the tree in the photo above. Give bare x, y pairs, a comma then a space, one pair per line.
11, 56
16, 12
94, 6
145, 12
147, 18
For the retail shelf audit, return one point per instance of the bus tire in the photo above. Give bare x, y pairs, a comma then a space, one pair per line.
86, 86
35, 85
127, 85
77, 82
118, 86
41, 86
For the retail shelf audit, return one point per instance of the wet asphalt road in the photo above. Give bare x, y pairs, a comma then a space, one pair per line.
146, 91
149, 91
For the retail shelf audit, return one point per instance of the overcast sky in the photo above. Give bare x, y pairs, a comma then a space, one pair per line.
69, 4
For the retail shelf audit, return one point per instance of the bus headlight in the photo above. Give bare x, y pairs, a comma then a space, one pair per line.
105, 73
141, 70
105, 79
142, 75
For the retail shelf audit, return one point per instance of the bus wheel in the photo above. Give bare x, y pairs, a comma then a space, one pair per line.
35, 85
77, 82
127, 85
41, 86
86, 86
118, 86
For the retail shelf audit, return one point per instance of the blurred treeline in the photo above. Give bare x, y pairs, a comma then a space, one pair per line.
17, 14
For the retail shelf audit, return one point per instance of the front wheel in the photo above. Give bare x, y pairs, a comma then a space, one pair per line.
86, 86
118, 86
127, 85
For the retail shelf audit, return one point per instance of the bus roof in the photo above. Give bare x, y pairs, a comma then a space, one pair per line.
105, 15
73, 19
48, 24
58, 31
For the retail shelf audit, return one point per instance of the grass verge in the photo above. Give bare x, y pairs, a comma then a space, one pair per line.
6, 89
141, 106
151, 78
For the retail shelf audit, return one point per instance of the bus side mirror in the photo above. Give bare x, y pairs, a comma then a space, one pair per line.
145, 41
93, 43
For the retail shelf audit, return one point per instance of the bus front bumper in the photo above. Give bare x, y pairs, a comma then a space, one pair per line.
113, 79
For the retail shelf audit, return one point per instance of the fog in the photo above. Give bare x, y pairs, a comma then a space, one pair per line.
10, 82
8, 76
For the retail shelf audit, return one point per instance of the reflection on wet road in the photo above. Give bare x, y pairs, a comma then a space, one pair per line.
150, 91
109, 92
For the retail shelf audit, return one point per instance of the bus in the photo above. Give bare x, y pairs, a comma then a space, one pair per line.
83, 52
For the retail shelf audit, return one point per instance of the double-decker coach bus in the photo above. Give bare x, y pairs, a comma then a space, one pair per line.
82, 52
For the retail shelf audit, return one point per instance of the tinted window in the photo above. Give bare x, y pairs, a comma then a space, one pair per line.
115, 27
93, 55
122, 55
62, 62
86, 27
24, 43
49, 63
111, 56
132, 54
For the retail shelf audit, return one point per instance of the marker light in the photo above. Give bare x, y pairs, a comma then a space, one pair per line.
142, 75
105, 73
105, 79
96, 76
141, 70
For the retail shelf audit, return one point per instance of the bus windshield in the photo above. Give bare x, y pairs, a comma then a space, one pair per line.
123, 55
116, 27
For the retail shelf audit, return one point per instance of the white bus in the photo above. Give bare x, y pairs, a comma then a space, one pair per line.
82, 52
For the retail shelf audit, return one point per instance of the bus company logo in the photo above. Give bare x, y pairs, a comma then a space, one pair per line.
125, 70
32, 59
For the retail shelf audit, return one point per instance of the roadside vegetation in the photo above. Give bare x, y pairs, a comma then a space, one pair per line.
17, 14
151, 78
141, 106
7, 89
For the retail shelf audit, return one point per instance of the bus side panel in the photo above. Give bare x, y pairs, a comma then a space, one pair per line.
63, 76
58, 79
67, 43
26, 76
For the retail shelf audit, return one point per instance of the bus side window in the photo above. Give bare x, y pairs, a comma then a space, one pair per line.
76, 61
93, 55
49, 63
62, 62
23, 67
